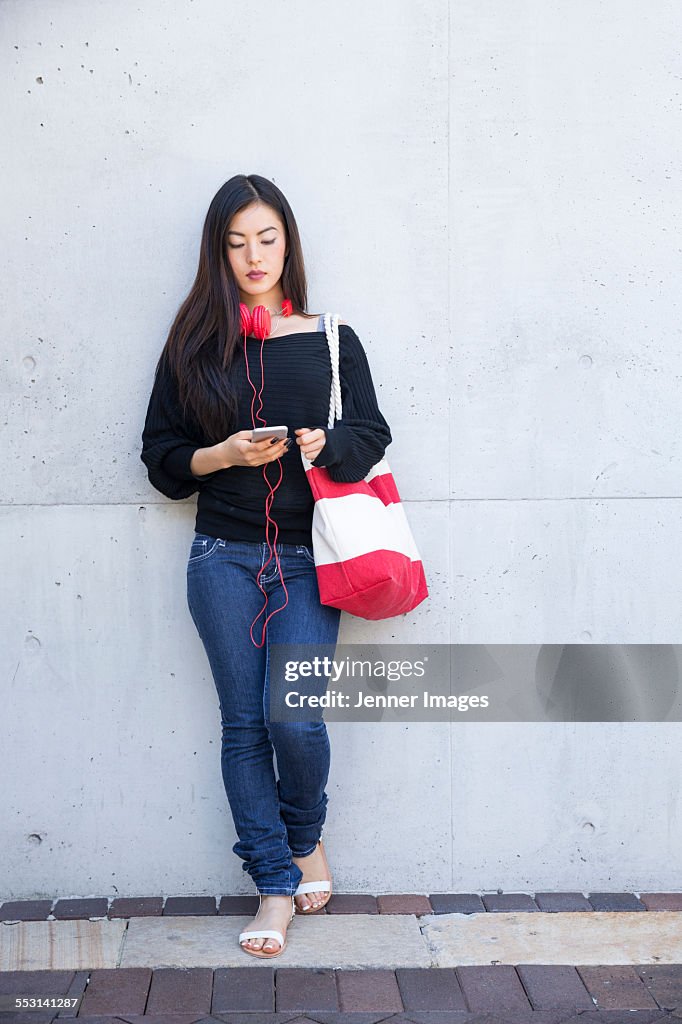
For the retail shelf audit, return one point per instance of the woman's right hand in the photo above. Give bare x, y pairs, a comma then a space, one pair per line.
239, 450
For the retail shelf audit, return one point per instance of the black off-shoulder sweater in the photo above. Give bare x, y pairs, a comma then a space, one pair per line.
231, 502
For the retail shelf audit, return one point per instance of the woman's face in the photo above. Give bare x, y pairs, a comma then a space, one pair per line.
256, 241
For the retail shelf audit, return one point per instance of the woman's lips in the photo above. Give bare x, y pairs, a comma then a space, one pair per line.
256, 276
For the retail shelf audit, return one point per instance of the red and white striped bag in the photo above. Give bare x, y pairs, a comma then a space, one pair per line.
366, 559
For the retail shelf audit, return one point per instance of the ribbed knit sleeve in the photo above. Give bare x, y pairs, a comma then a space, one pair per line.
168, 443
357, 441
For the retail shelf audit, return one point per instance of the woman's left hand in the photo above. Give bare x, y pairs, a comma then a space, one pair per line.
311, 442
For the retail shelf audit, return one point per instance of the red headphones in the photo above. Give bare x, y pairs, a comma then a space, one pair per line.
259, 323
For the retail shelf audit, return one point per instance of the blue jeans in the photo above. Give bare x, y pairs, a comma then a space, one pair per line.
274, 818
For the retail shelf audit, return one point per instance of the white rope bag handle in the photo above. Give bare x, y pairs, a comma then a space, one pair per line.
331, 329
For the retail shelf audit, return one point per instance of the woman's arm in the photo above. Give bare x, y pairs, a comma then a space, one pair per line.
357, 441
169, 447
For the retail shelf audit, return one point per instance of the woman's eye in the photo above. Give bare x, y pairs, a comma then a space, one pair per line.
271, 242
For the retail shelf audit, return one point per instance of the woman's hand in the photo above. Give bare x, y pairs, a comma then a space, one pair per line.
239, 450
311, 442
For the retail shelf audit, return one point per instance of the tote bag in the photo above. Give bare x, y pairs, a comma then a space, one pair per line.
366, 559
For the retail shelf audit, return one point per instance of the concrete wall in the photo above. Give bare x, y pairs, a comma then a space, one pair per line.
489, 193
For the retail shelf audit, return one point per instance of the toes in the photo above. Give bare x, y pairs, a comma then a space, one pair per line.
312, 900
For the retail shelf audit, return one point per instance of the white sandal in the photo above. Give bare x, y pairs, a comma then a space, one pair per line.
266, 933
324, 886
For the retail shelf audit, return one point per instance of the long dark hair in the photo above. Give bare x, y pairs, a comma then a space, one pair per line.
203, 339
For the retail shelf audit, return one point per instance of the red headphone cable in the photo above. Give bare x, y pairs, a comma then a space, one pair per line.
261, 325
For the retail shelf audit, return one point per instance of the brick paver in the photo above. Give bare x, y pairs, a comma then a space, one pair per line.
189, 906
30, 1017
664, 982
509, 902
136, 906
496, 989
113, 991
25, 910
615, 901
661, 900
617, 1017
350, 903
456, 903
294, 1017
617, 988
75, 990
404, 903
368, 990
301, 989
37, 983
437, 988
562, 902
77, 910
243, 988
363, 1018
238, 906
250, 1018
554, 987
179, 990
157, 1018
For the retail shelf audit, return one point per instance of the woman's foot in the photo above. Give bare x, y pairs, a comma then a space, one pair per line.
314, 868
274, 913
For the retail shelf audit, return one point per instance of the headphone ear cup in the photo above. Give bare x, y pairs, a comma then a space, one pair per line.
245, 317
262, 322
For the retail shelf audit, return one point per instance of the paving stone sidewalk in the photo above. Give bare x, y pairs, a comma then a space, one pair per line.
341, 903
269, 995
416, 989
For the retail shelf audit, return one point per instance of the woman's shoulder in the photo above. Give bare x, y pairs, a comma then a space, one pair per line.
318, 316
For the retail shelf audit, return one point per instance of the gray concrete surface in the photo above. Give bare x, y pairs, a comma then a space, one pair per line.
350, 941
596, 938
60, 945
346, 941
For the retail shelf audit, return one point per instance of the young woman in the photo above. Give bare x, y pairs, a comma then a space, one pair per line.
218, 376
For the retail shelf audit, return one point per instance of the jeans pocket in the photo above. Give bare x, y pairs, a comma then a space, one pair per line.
272, 573
306, 552
202, 547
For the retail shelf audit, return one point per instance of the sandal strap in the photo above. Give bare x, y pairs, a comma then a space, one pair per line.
313, 887
264, 933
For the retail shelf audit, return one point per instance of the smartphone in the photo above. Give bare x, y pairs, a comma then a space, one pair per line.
262, 433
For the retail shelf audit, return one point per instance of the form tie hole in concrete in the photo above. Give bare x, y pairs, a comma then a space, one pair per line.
32, 644
35, 839
586, 361
29, 363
